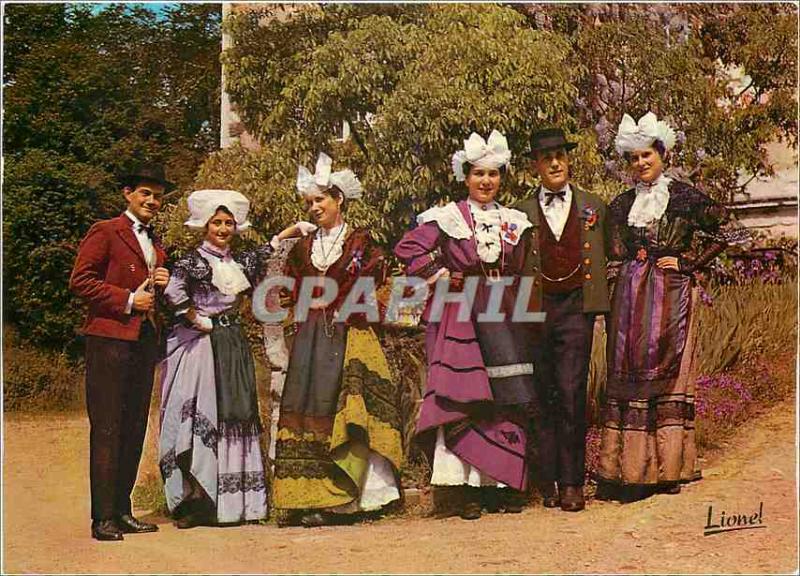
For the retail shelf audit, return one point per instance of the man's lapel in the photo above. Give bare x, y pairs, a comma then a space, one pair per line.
125, 231
578, 197
533, 214
581, 201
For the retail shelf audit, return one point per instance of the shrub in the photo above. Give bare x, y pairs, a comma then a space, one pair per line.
34, 379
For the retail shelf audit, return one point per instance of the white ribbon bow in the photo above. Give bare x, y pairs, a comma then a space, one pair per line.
491, 153
323, 178
636, 136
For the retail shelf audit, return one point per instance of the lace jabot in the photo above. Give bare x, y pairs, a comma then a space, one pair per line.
487, 220
327, 247
226, 274
650, 202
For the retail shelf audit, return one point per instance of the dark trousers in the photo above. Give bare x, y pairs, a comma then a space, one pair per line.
561, 367
119, 383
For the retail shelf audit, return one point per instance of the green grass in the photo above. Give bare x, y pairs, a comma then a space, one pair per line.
744, 323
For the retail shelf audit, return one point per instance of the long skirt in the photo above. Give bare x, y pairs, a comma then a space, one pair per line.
223, 457
648, 432
339, 445
474, 418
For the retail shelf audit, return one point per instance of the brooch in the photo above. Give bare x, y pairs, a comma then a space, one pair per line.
589, 216
509, 234
356, 262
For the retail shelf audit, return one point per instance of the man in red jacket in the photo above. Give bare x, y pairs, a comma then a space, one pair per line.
119, 266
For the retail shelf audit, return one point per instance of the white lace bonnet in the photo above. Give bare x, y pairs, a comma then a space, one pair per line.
490, 153
636, 136
203, 204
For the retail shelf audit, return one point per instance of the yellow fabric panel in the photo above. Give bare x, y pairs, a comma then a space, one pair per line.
288, 434
364, 345
301, 493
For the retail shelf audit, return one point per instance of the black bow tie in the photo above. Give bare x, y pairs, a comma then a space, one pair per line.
147, 229
548, 196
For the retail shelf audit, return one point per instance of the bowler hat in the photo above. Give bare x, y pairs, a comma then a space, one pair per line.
549, 139
148, 172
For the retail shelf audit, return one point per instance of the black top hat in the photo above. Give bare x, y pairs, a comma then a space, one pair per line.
148, 172
549, 139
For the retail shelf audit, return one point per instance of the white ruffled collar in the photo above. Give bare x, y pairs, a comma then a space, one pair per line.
512, 223
226, 274
650, 202
328, 246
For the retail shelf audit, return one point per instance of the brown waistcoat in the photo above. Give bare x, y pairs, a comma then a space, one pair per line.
561, 258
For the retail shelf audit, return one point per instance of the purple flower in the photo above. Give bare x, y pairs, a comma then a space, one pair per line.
706, 298
721, 397
357, 260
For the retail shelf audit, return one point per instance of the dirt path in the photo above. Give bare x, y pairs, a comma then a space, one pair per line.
46, 526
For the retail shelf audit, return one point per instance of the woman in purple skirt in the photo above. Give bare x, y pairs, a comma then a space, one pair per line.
209, 451
648, 441
473, 421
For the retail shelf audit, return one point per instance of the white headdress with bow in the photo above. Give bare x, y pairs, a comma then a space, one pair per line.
491, 153
203, 204
323, 178
636, 136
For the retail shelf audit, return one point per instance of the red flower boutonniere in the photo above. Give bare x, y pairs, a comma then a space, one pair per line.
641, 255
589, 217
509, 234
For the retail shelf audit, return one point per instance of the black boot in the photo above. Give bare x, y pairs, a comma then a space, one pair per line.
471, 506
515, 501
491, 499
549, 494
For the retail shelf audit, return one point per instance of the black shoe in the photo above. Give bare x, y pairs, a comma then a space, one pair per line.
130, 525
471, 506
193, 519
572, 498
315, 520
106, 530
515, 501
290, 518
491, 499
549, 495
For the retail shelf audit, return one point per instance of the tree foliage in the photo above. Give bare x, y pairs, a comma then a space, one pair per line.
412, 81
87, 95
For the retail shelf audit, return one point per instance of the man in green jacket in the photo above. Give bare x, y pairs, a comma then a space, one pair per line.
566, 258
